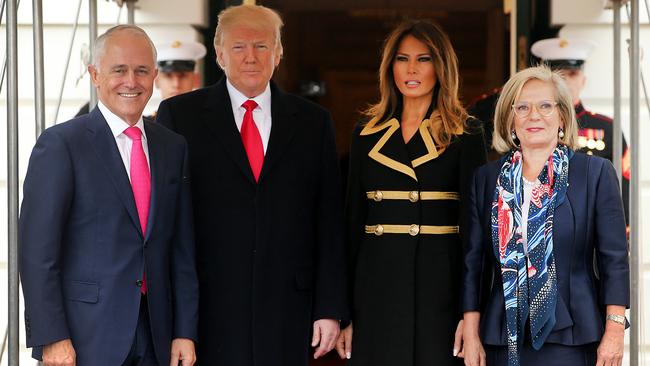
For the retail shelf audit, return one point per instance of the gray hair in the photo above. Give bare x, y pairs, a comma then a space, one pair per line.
100, 43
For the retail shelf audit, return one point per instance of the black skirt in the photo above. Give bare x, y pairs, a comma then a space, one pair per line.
560, 355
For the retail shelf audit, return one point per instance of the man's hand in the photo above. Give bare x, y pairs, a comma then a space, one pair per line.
59, 353
344, 343
183, 351
325, 333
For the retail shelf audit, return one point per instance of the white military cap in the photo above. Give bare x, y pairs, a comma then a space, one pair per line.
563, 53
179, 55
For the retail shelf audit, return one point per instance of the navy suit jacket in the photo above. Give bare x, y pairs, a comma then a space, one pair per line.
590, 249
82, 250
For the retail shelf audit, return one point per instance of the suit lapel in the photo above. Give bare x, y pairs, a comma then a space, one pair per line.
218, 118
282, 129
390, 150
102, 140
157, 163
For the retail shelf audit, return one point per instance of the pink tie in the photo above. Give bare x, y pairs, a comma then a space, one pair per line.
140, 183
252, 140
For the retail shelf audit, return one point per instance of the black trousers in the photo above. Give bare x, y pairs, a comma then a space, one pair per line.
142, 352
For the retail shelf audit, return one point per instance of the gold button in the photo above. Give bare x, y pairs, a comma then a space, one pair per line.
379, 230
414, 230
378, 196
414, 196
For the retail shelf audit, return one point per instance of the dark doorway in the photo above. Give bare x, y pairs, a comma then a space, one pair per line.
332, 49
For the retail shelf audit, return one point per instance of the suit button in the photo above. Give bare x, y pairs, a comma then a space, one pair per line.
138, 283
378, 196
414, 196
379, 230
414, 230
146, 244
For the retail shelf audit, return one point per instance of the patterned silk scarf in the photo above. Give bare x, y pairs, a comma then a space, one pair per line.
529, 282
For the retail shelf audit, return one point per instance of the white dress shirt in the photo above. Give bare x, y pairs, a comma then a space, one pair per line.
118, 126
525, 209
261, 114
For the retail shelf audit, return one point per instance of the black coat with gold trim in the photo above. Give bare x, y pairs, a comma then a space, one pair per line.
403, 213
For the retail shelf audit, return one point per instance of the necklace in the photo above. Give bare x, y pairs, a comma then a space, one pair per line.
529, 183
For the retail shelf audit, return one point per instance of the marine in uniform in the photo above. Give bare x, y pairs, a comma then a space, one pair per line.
596, 130
177, 72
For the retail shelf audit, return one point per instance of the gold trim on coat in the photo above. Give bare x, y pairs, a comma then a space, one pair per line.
413, 230
391, 126
412, 196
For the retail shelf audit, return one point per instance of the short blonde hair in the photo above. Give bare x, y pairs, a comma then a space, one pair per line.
254, 16
502, 140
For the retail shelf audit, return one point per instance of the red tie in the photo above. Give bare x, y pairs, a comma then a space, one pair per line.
252, 140
140, 183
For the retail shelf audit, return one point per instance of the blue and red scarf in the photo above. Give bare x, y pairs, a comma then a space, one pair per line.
529, 281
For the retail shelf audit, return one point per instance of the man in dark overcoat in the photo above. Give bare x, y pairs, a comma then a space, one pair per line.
266, 193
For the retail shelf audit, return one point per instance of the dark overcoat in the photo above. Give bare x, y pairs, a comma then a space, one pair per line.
270, 254
405, 255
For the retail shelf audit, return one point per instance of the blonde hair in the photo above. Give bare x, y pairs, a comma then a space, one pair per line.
448, 116
502, 140
257, 17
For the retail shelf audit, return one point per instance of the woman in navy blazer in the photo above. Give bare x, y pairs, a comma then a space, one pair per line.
546, 273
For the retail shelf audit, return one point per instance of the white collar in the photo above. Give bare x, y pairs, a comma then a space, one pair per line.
116, 124
263, 100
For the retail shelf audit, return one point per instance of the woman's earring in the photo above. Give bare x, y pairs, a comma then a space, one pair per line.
513, 135
560, 133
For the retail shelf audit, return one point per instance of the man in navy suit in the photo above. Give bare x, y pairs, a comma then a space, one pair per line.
107, 248
267, 205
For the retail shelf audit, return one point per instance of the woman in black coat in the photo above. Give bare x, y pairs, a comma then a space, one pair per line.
410, 166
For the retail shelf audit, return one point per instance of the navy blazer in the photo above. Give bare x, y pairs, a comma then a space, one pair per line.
83, 250
590, 249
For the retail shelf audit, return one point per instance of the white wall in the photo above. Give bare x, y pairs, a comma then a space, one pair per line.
596, 24
160, 18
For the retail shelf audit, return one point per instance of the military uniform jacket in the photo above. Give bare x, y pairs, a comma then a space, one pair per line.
595, 138
405, 254
270, 255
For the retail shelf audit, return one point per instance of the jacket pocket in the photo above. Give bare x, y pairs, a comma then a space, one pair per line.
304, 279
81, 291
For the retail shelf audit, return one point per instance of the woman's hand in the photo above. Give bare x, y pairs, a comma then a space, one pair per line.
344, 343
458, 340
471, 349
610, 350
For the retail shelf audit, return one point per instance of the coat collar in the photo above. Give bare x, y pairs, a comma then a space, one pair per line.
390, 127
218, 117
